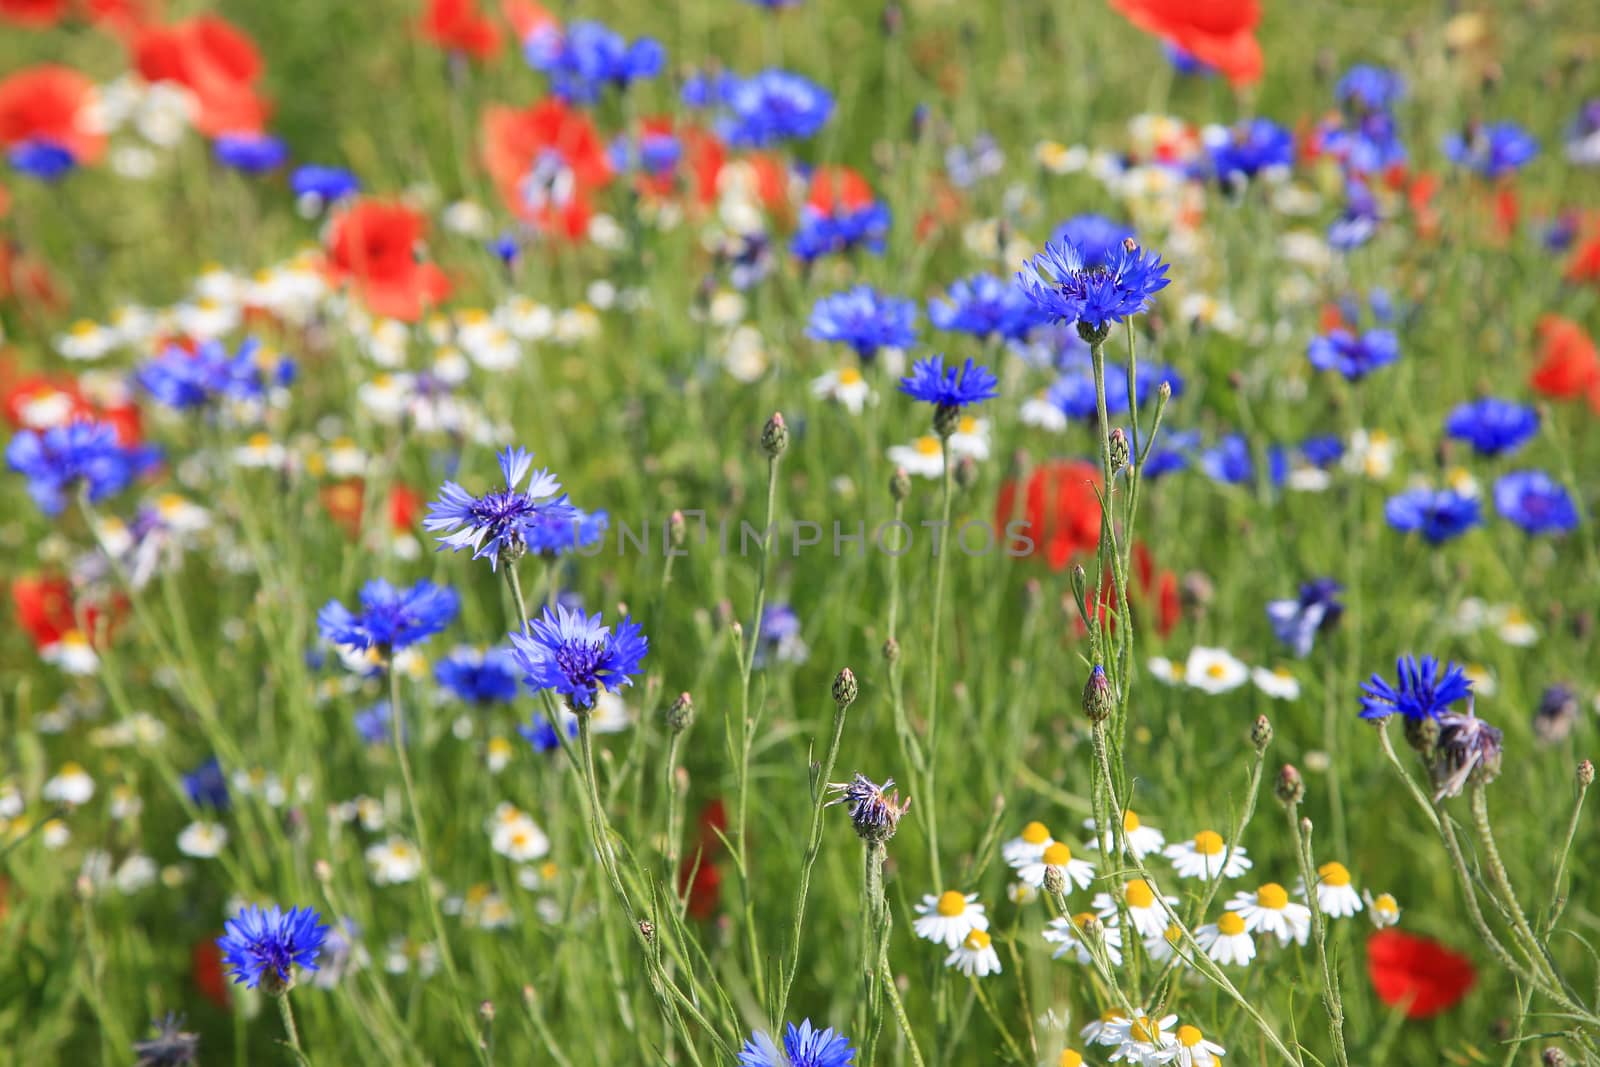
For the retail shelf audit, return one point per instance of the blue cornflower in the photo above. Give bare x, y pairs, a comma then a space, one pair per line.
803, 1046
1244, 151
182, 379
875, 811
267, 943
1423, 690
1492, 425
1438, 514
498, 523
390, 618
207, 786
372, 724
1097, 238
1170, 454
1359, 221
479, 677
1186, 63
1364, 144
822, 233
556, 535
865, 319
1322, 450
1147, 382
250, 153
968, 165
1352, 356
1535, 501
57, 460
1370, 88
1297, 621
701, 90
1495, 150
1074, 394
1583, 135
778, 637
1230, 461
577, 655
1067, 288
323, 184
986, 306
44, 160
542, 735
952, 388
772, 106
585, 57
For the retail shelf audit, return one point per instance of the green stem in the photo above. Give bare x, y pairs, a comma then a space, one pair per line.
929, 798
291, 1033
1332, 1002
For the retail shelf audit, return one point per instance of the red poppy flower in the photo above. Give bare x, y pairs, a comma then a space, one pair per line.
1417, 973
44, 608
836, 189
206, 963
545, 161
404, 503
215, 61
1584, 264
458, 26
1568, 366
47, 103
1419, 195
701, 156
373, 247
124, 17
35, 14
1060, 512
698, 874
1161, 587
1220, 33
345, 502
526, 17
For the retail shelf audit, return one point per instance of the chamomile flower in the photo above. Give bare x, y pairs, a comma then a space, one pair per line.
202, 840
1058, 855
1277, 683
923, 457
1166, 671
971, 438
394, 861
1204, 856
948, 918
1103, 1031
1069, 1058
1142, 840
1068, 935
1270, 911
845, 386
1143, 1040
71, 786
1214, 670
1193, 1050
1227, 941
515, 835
1514, 627
1041, 412
1383, 909
1028, 846
1336, 897
1149, 918
1167, 945
87, 341
975, 956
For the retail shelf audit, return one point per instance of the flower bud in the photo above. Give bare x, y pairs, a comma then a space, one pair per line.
1093, 335
1291, 788
845, 689
946, 417
966, 473
1055, 883
486, 1011
1080, 583
1585, 774
1164, 392
900, 484
1553, 1057
1097, 696
1261, 733
680, 713
1119, 450
775, 436
891, 650
677, 529
1423, 736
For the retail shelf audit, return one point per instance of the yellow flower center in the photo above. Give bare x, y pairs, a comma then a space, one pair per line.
1230, 925
1174, 933
849, 376
1272, 895
1130, 822
1176, 670
1387, 903
1057, 855
499, 746
71, 770
927, 445
978, 940
260, 441
1143, 1030
1216, 670
952, 903
1208, 843
1139, 894
1334, 874
548, 871
1036, 833
1070, 1058
968, 425
1082, 919
1189, 1036
519, 838
83, 328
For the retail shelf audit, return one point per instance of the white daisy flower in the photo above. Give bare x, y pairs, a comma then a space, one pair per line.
1203, 857
744, 355
1270, 911
1039, 412
1336, 897
948, 918
975, 956
1068, 935
1144, 1040
207, 319
1384, 910
1371, 453
71, 785
85, 340
1149, 918
394, 861
921, 457
1027, 846
72, 653
1166, 671
1142, 840
1227, 941
1277, 683
1103, 1031
261, 451
846, 386
528, 320
1483, 683
203, 840
1304, 478
55, 835
493, 349
1515, 628
1021, 894
497, 753
515, 835
345, 459
136, 872
971, 438
1166, 945
1194, 1050
1058, 855
1214, 670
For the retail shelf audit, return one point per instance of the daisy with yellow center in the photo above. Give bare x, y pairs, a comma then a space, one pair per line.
1069, 1058
393, 862
971, 438
1143, 1039
975, 957
1142, 840
1194, 1050
845, 386
72, 653
948, 918
1214, 670
1149, 918
1227, 941
86, 340
1027, 846
1336, 897
1167, 945
1206, 856
1068, 936
922, 457
1040, 412
1166, 671
71, 785
1515, 628
1103, 1031
1058, 855
1270, 911
260, 451
1277, 683
515, 835
497, 754
1384, 910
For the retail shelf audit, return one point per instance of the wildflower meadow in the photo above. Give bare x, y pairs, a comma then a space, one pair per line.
799, 533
